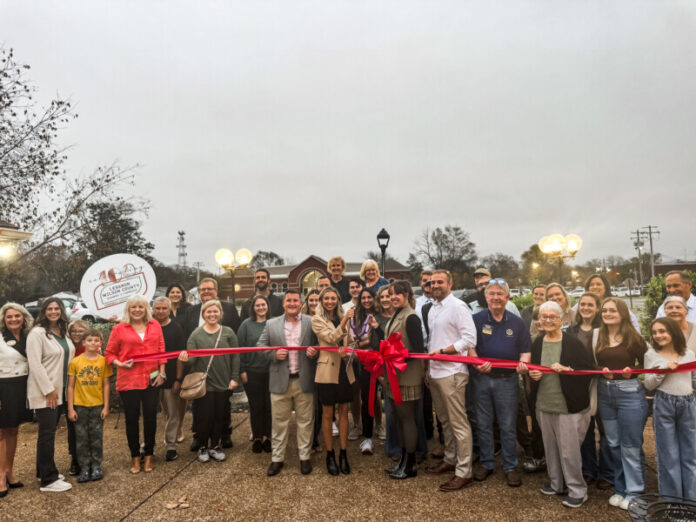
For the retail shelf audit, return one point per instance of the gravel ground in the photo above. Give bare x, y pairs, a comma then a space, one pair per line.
239, 489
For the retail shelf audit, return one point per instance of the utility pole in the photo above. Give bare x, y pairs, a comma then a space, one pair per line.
181, 246
198, 265
652, 230
638, 244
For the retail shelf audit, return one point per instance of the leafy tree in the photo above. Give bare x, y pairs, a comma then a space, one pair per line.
449, 248
538, 268
503, 266
264, 258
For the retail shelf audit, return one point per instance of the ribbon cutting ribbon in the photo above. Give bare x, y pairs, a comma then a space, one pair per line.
392, 356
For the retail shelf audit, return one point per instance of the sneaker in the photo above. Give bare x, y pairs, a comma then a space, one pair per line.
97, 474
334, 429
381, 432
615, 500
546, 489
171, 455
624, 504
571, 502
57, 486
203, 455
354, 433
366, 447
532, 465
217, 454
83, 476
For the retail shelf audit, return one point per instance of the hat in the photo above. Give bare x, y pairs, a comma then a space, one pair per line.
482, 272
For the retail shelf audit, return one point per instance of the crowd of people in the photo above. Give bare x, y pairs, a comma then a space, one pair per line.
582, 430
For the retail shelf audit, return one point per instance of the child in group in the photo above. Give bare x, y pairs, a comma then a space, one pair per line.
88, 404
674, 410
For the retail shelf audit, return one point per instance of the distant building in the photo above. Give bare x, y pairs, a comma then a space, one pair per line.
302, 276
663, 268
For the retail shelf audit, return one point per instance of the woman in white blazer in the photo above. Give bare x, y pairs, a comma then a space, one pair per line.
15, 323
49, 350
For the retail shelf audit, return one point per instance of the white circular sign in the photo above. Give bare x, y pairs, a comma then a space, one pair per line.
109, 282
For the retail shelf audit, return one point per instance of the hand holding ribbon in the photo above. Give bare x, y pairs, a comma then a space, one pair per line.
392, 356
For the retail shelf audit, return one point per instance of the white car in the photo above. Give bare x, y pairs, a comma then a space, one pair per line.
80, 311
576, 293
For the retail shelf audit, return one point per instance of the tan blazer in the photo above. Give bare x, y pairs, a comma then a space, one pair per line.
329, 363
45, 358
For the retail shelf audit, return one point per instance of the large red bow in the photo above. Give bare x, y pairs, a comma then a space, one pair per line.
392, 356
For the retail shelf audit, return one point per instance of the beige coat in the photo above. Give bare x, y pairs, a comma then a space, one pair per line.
329, 363
45, 356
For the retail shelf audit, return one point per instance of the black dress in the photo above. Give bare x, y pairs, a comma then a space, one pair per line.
13, 390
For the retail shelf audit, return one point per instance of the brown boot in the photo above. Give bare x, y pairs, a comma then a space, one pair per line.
135, 465
147, 465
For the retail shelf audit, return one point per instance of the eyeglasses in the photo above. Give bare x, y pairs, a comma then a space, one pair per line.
548, 318
211, 289
496, 282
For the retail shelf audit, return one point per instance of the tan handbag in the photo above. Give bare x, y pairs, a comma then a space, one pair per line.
193, 385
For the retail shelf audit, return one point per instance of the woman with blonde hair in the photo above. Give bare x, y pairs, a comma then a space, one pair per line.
333, 377
675, 308
621, 399
138, 384
369, 272
15, 323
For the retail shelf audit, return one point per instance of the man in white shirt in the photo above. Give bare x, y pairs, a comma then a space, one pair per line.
452, 332
679, 283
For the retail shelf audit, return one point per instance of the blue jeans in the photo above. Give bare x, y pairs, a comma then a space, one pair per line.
593, 465
624, 411
392, 447
674, 421
496, 397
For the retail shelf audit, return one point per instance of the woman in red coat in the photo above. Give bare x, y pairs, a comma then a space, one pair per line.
138, 383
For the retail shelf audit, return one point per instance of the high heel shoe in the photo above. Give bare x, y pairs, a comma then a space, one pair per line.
331, 465
135, 465
343, 462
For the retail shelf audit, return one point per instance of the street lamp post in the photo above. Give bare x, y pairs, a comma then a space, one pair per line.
383, 242
226, 260
560, 247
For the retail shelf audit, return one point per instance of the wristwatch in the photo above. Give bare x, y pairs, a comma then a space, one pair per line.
163, 376
442, 351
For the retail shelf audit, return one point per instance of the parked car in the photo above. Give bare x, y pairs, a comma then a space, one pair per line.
515, 292
620, 291
80, 311
576, 292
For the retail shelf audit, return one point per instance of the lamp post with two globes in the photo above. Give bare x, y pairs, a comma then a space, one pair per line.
229, 261
558, 246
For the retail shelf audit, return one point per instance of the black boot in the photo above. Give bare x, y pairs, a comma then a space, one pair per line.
392, 469
331, 465
343, 462
409, 469
74, 467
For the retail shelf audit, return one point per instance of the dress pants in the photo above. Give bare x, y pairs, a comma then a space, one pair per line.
132, 400
281, 412
45, 445
449, 398
170, 404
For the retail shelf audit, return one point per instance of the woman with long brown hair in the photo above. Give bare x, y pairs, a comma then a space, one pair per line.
621, 399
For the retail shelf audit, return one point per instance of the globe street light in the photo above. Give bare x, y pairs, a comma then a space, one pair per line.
225, 259
10, 236
560, 247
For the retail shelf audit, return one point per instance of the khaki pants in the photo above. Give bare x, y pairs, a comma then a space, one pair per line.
281, 412
563, 435
450, 405
170, 405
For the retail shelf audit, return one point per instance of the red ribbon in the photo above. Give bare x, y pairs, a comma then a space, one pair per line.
392, 356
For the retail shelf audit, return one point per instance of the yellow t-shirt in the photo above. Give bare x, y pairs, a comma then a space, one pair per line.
89, 380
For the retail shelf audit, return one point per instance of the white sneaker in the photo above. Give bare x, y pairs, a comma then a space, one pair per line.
57, 486
203, 455
381, 432
60, 477
216, 454
624, 504
334, 429
251, 436
615, 500
355, 432
367, 447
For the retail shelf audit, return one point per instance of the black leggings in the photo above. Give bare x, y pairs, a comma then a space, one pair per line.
405, 414
367, 420
132, 399
259, 404
211, 418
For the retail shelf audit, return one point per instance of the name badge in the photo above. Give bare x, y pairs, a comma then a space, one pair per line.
487, 329
509, 332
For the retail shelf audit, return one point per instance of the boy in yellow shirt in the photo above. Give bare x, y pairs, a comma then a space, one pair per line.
88, 404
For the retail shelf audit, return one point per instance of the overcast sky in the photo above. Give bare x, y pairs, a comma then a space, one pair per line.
305, 127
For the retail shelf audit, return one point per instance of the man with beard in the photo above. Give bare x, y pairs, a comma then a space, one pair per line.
477, 301
261, 281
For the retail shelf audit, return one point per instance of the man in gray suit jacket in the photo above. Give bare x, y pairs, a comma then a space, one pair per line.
291, 379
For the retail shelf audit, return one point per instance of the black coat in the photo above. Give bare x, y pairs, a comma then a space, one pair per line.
230, 318
276, 306
575, 388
